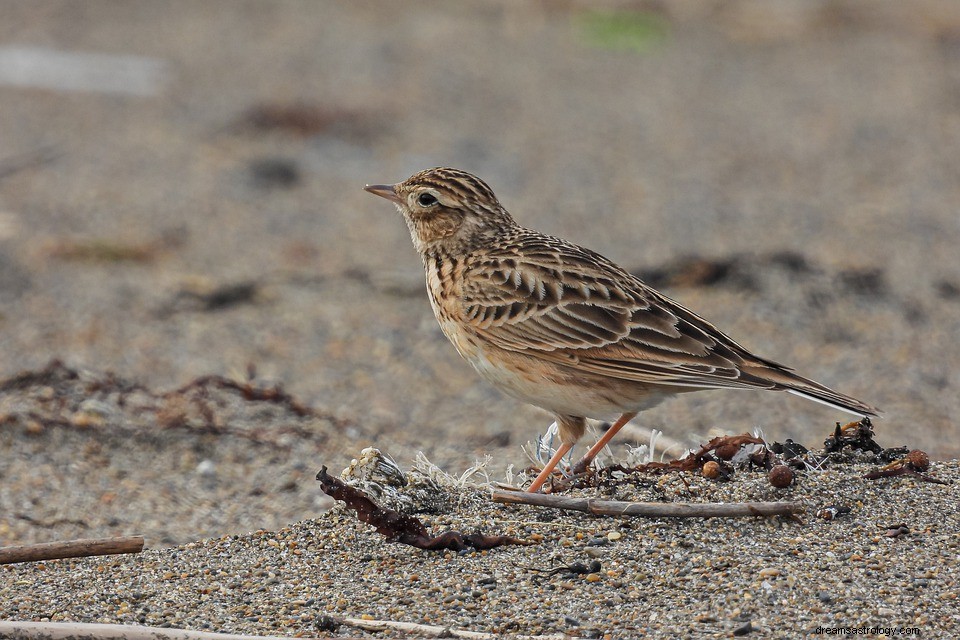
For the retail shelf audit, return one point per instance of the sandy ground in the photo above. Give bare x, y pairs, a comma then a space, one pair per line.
788, 170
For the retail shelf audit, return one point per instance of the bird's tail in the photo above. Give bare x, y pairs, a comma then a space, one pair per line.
786, 380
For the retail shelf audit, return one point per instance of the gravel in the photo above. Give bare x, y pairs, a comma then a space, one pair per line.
682, 578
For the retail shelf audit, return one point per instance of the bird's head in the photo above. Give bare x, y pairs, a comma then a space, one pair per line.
446, 208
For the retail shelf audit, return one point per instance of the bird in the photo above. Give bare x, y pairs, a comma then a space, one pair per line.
561, 327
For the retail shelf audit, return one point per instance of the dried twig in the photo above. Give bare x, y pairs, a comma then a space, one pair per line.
71, 549
436, 631
650, 509
404, 528
15, 630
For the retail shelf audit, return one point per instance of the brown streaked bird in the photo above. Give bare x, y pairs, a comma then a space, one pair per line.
561, 327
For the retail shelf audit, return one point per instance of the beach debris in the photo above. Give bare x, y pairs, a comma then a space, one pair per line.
436, 631
781, 476
570, 570
71, 549
857, 435
718, 459
650, 509
833, 512
402, 527
712, 470
426, 488
29, 630
912, 464
374, 466
249, 389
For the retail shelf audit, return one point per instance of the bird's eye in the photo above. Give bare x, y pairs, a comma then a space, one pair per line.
427, 200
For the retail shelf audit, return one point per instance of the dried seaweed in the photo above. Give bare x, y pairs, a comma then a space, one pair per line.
404, 528
913, 464
249, 391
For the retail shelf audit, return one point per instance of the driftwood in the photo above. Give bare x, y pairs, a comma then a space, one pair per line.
650, 509
70, 549
14, 630
435, 631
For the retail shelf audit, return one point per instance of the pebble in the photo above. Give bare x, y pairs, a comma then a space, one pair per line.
207, 469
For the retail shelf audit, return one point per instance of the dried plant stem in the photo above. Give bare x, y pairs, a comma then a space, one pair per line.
71, 549
650, 509
16, 630
435, 631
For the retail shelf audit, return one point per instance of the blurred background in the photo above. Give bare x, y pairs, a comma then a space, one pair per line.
181, 195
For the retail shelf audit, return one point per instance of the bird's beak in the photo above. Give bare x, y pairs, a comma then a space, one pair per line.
384, 191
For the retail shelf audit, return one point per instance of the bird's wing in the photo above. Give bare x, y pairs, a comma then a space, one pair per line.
567, 305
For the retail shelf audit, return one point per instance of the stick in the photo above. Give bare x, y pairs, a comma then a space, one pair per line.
87, 631
15, 630
436, 631
650, 509
71, 549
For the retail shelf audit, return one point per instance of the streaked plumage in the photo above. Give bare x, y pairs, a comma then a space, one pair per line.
562, 327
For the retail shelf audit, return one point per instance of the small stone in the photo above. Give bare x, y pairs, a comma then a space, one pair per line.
613, 536
769, 572
34, 427
207, 469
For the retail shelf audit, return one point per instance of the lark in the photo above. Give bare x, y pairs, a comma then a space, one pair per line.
562, 327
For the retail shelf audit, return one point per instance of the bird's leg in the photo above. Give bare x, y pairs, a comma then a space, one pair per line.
588, 457
548, 469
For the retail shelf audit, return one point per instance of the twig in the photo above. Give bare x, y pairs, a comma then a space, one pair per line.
650, 509
71, 549
436, 631
14, 630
